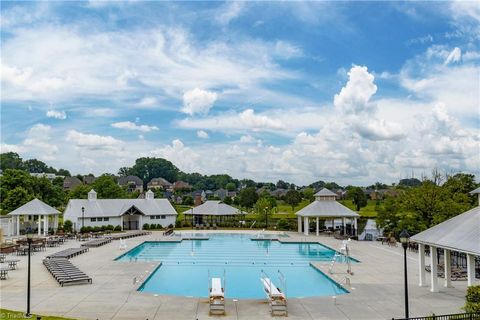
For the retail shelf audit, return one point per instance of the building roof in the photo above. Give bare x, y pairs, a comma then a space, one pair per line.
326, 208
460, 233
33, 208
71, 182
476, 191
214, 208
117, 207
325, 192
125, 180
160, 181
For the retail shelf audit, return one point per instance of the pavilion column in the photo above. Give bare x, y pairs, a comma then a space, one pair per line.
317, 228
448, 268
470, 269
121, 222
39, 222
140, 226
355, 226
305, 226
45, 225
17, 232
55, 223
299, 222
421, 265
433, 271
343, 225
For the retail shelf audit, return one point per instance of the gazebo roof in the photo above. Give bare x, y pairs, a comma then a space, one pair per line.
214, 208
460, 233
476, 191
33, 208
325, 192
327, 209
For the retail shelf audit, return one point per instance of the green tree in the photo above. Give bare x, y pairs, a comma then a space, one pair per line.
227, 200
263, 209
308, 194
10, 160
107, 188
51, 194
149, 168
358, 197
80, 192
230, 186
293, 198
187, 201
15, 198
248, 197
34, 165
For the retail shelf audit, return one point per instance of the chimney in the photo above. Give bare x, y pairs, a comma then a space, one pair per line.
92, 195
149, 195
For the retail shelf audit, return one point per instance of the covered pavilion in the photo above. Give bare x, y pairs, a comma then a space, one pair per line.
461, 234
325, 206
215, 209
31, 211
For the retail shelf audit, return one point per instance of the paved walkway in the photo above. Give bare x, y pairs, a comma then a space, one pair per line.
376, 289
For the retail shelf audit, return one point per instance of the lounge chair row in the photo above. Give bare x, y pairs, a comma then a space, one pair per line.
205, 226
65, 272
456, 273
129, 234
96, 243
68, 253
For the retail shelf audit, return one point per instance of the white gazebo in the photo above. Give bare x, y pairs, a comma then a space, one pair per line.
31, 210
460, 233
214, 209
325, 206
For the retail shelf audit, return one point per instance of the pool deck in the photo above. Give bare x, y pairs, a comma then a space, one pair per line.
376, 288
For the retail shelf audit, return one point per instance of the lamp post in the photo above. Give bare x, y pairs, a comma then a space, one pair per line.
404, 238
29, 241
83, 217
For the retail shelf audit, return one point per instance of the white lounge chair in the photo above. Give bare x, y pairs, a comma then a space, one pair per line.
275, 296
217, 296
123, 244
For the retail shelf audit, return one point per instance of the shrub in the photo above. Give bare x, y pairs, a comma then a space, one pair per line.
170, 226
153, 226
283, 224
159, 226
67, 226
118, 228
186, 224
146, 226
110, 227
83, 229
96, 229
473, 299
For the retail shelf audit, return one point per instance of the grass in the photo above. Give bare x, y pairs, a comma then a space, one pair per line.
9, 314
368, 211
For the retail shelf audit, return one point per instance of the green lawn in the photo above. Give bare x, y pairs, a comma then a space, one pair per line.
367, 212
9, 314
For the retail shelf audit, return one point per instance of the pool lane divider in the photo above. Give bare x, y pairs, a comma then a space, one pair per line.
334, 281
139, 287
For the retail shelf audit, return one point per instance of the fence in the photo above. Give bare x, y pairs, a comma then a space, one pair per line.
458, 316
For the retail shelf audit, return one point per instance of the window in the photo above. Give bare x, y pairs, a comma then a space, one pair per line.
106, 219
152, 217
93, 219
162, 217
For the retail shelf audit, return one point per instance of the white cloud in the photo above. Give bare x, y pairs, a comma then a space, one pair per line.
92, 141
259, 122
56, 114
374, 129
454, 56
101, 112
4, 147
202, 134
229, 11
287, 50
38, 141
128, 125
198, 101
147, 102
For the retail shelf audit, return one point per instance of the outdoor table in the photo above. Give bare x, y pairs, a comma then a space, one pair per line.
383, 239
2, 258
3, 273
12, 264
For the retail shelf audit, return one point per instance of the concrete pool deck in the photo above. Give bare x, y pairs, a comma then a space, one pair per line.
376, 288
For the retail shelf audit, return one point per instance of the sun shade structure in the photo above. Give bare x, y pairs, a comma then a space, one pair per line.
213, 208
130, 214
460, 233
325, 206
31, 211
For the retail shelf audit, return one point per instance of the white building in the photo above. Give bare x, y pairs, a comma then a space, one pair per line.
130, 214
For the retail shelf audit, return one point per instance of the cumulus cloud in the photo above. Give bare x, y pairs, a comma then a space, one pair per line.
229, 11
379, 129
287, 50
202, 134
454, 56
92, 141
355, 96
39, 141
147, 102
56, 114
198, 101
259, 122
128, 125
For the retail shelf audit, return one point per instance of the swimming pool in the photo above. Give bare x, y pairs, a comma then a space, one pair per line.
186, 266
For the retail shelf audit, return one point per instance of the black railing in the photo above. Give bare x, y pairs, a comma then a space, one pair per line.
458, 316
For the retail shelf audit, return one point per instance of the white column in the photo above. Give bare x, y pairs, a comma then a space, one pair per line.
470, 270
121, 222
305, 226
317, 228
299, 222
343, 224
55, 223
45, 225
39, 224
448, 268
433, 266
355, 225
140, 224
421, 265
17, 232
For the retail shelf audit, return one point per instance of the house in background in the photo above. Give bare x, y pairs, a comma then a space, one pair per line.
159, 183
181, 185
69, 183
89, 179
220, 194
130, 214
133, 183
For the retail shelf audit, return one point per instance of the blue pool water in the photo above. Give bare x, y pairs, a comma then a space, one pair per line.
186, 266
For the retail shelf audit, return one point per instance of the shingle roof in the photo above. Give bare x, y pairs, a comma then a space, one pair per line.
460, 233
475, 191
117, 207
325, 192
214, 208
71, 182
326, 208
125, 180
35, 207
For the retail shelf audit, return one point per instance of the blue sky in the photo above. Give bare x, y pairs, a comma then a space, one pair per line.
355, 92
